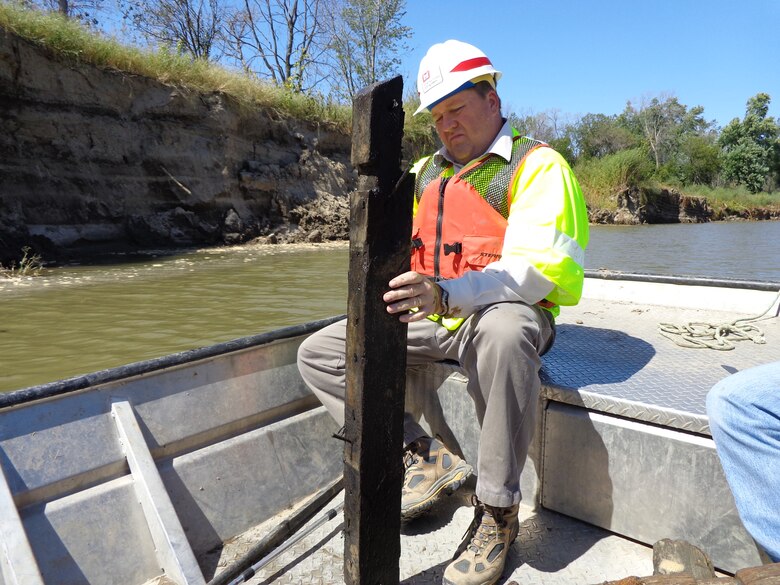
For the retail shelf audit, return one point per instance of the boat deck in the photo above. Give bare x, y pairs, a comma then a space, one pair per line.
609, 359
611, 352
551, 549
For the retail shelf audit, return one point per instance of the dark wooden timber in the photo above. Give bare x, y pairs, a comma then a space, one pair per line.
761, 575
380, 232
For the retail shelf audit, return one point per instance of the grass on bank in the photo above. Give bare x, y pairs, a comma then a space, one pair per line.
736, 198
76, 42
602, 179
29, 265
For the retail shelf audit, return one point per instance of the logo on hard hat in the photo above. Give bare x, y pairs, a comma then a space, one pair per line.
430, 80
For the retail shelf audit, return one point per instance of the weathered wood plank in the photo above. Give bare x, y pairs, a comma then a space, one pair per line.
762, 575
380, 231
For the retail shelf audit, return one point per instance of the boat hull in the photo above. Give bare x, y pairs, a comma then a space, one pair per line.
236, 438
128, 475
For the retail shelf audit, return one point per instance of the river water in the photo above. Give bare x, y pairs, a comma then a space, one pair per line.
77, 319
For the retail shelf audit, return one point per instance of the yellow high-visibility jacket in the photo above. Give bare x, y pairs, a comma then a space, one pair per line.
543, 250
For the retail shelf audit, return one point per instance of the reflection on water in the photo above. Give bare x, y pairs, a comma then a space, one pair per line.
74, 320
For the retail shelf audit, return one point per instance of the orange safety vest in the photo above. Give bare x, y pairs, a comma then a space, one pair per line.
461, 220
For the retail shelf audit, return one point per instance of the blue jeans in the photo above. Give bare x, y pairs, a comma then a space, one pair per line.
744, 413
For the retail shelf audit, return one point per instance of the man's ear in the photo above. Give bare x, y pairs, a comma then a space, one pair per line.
495, 101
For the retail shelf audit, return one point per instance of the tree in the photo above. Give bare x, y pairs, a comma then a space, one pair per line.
84, 10
664, 122
699, 160
191, 26
549, 126
598, 135
365, 38
750, 147
278, 40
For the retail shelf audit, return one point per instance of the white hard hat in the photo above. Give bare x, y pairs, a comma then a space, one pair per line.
449, 67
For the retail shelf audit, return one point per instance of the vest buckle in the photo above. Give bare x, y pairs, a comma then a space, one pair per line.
456, 248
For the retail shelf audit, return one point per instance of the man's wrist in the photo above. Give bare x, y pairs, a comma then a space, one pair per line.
444, 301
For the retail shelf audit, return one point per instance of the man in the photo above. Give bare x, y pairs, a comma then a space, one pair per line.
744, 417
499, 233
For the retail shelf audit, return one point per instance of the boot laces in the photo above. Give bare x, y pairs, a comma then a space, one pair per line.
411, 454
480, 532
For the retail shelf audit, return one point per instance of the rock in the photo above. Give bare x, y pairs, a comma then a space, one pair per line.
314, 236
232, 239
233, 222
97, 159
678, 557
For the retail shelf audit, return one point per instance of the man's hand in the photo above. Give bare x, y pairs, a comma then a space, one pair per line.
412, 290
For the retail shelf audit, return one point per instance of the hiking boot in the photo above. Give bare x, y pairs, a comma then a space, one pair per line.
430, 471
481, 557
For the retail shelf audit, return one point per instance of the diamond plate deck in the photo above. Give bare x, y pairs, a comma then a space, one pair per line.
550, 549
609, 356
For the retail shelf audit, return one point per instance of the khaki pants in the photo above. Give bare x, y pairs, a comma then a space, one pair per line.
497, 347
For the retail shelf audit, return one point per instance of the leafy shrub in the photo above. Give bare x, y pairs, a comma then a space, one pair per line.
602, 179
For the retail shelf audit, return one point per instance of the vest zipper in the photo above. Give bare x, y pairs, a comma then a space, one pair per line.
439, 222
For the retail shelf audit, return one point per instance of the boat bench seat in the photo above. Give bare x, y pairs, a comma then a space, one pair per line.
622, 438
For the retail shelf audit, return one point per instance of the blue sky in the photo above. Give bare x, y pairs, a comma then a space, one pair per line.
582, 57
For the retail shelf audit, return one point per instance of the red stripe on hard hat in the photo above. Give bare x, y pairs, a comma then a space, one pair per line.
470, 64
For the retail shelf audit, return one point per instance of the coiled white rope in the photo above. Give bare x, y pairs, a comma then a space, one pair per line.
720, 336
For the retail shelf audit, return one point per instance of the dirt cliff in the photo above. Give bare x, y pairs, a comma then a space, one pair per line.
97, 160
643, 206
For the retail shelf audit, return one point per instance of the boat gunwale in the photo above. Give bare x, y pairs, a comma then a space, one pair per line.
607, 274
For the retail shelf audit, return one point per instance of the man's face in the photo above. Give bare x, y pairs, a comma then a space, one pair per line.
467, 123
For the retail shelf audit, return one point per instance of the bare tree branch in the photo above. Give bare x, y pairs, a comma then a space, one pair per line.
191, 26
277, 40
